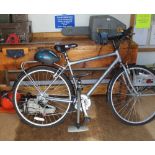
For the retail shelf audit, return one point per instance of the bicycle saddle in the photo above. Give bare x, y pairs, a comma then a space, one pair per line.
64, 47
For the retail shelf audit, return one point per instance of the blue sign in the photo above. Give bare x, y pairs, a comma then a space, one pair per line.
64, 21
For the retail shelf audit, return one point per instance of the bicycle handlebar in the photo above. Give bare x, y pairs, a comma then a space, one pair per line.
128, 33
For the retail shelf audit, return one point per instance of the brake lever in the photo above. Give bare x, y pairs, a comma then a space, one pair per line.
132, 34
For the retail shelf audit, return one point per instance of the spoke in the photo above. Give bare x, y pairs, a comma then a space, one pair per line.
48, 79
46, 122
34, 77
124, 94
53, 117
126, 83
54, 85
60, 92
57, 114
50, 85
33, 83
34, 117
60, 105
38, 78
120, 103
56, 105
136, 117
40, 81
142, 111
49, 118
137, 92
130, 111
60, 108
125, 105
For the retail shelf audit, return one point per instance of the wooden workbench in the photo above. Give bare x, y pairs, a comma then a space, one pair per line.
86, 49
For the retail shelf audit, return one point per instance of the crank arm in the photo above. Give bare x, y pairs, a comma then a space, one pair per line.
86, 117
84, 110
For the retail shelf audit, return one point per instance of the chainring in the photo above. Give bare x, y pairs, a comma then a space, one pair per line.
85, 101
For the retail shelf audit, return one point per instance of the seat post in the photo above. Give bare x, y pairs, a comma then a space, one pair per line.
67, 60
66, 57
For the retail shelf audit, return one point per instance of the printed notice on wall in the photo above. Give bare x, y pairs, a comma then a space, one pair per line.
63, 21
143, 21
140, 36
152, 38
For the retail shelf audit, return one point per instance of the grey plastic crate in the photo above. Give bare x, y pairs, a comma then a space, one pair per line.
76, 31
105, 23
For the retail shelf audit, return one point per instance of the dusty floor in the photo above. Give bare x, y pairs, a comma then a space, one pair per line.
103, 126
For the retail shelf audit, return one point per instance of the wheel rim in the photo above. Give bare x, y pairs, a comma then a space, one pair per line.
129, 107
47, 115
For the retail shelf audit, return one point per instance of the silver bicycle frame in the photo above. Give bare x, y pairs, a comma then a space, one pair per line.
70, 63
118, 59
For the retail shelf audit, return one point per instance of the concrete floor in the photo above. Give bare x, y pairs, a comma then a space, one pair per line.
102, 127
9, 123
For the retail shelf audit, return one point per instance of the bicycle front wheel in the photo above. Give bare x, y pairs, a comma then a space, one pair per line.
129, 107
35, 94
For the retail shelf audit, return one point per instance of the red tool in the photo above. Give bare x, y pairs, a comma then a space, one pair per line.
13, 39
6, 102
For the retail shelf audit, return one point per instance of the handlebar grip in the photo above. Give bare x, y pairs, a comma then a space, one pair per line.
128, 31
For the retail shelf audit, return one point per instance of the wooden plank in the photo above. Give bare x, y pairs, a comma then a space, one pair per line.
132, 20
149, 49
100, 90
58, 35
48, 35
84, 50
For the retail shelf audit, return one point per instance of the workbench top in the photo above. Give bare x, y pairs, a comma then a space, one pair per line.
86, 49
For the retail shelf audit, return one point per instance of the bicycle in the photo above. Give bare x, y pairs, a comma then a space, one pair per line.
44, 95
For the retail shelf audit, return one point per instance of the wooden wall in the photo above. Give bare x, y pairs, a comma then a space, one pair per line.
86, 49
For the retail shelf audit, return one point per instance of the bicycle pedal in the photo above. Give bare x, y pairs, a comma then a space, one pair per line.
87, 119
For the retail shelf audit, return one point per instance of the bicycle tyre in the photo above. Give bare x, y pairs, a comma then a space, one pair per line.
36, 70
113, 90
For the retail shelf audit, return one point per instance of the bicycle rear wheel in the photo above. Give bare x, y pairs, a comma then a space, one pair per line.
127, 106
34, 106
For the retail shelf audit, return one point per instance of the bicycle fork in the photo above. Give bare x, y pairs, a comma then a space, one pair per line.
128, 78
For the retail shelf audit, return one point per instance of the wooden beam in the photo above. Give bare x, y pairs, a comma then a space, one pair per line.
132, 20
149, 49
53, 35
